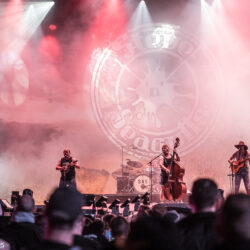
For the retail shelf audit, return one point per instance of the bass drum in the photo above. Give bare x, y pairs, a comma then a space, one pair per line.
142, 184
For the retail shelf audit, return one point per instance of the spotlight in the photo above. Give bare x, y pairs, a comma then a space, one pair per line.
114, 206
52, 27
102, 202
145, 199
136, 201
125, 205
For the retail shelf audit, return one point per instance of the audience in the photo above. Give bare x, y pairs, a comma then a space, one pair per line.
87, 243
22, 230
148, 233
63, 218
107, 220
234, 223
119, 230
197, 231
96, 231
214, 224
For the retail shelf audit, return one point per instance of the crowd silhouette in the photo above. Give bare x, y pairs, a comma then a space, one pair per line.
213, 223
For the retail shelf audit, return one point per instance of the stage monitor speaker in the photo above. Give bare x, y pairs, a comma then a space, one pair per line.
182, 208
122, 184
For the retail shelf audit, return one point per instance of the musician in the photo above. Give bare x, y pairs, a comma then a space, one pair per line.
165, 162
241, 154
67, 166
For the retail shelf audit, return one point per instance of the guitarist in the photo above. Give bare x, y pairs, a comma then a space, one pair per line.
165, 162
242, 156
67, 166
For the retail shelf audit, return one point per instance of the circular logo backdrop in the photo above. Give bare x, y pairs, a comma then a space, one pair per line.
153, 84
14, 79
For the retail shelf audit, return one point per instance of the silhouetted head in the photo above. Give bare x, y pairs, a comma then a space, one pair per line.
25, 204
204, 194
234, 221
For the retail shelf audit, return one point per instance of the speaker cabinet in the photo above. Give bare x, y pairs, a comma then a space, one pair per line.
122, 184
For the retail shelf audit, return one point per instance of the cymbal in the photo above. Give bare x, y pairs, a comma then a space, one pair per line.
126, 167
134, 164
120, 173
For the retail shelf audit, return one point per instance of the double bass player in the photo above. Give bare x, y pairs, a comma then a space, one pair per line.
165, 162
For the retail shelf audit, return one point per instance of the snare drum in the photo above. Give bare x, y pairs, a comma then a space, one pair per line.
142, 184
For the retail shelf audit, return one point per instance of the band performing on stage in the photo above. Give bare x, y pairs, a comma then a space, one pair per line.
164, 178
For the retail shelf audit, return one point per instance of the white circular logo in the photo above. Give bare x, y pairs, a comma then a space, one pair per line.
153, 84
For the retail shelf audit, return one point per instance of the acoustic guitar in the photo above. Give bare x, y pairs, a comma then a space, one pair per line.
237, 165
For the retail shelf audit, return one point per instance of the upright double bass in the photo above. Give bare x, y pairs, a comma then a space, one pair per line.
175, 188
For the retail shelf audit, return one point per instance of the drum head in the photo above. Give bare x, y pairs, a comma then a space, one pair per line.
142, 184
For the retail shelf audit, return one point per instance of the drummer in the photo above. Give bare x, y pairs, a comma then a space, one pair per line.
165, 162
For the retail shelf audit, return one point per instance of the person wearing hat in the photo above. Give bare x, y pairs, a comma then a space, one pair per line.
242, 157
67, 166
63, 218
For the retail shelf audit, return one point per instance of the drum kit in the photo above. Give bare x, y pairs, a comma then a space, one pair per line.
133, 177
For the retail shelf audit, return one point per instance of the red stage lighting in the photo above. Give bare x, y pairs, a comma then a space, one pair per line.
52, 27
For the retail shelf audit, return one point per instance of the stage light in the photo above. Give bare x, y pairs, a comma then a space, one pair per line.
125, 206
102, 204
114, 206
102, 201
141, 16
145, 199
21, 21
136, 201
88, 200
52, 27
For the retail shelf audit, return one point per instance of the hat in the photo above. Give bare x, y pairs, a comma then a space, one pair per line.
64, 204
241, 143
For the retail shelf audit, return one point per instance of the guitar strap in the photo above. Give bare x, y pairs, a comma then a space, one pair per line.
63, 160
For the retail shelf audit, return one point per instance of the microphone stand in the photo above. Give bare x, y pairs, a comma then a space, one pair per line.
151, 175
231, 180
122, 161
